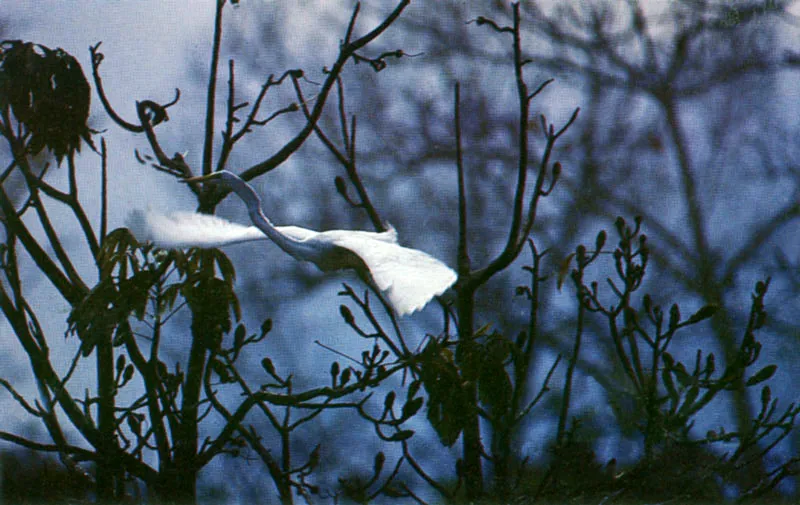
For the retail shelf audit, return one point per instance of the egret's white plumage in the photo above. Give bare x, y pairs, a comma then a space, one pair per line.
407, 277
182, 229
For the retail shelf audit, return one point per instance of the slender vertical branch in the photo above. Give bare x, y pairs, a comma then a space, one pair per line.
465, 305
103, 190
285, 431
106, 391
573, 361
208, 143
522, 136
77, 208
153, 387
351, 146
348, 158
466, 351
522, 366
355, 178
342, 116
463, 254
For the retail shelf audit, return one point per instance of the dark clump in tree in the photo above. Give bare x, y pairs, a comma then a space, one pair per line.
47, 93
29, 478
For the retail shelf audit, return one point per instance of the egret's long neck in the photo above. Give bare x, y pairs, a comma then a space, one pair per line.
253, 202
245, 192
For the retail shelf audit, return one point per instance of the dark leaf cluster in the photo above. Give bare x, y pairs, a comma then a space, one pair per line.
48, 93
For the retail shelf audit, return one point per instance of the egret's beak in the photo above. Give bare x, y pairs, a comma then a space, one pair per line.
202, 178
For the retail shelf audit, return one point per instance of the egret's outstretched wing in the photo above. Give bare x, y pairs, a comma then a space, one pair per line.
409, 278
306, 235
188, 229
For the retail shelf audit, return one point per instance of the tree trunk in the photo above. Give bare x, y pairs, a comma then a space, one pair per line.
468, 359
107, 467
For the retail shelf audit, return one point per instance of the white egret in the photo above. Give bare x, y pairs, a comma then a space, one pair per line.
407, 277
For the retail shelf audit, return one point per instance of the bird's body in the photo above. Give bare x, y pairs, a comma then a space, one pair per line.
408, 277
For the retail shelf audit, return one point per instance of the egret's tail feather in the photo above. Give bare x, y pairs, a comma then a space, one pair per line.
188, 229
137, 224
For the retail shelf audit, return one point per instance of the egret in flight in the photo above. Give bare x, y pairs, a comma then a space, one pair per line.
408, 278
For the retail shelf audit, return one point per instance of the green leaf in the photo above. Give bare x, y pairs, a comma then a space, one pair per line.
87, 346
563, 270
703, 313
483, 330
266, 363
134, 293
388, 402
162, 369
447, 403
334, 372
710, 364
764, 374
401, 435
494, 386
766, 396
674, 316
666, 376
377, 465
313, 458
168, 297
498, 348
600, 241
128, 375
120, 334
412, 407
221, 370
345, 378
393, 491
225, 266
120, 363
238, 336
210, 300
682, 375
413, 389
266, 326
688, 402
346, 314
447, 428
